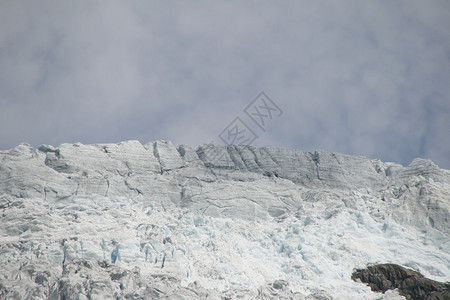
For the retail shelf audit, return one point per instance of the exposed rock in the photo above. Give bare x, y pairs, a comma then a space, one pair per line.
410, 284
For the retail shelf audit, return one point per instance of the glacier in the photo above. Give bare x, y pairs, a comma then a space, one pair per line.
134, 221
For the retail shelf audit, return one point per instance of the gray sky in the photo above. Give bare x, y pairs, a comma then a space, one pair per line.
367, 78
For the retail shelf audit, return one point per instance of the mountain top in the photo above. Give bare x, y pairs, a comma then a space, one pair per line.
155, 220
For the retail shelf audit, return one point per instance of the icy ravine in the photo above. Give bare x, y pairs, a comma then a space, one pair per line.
132, 220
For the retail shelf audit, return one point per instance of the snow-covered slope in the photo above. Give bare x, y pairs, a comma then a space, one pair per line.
136, 221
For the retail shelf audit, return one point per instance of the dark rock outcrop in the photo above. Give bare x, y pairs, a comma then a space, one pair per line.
409, 283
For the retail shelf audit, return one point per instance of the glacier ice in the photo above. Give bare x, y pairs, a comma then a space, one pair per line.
130, 220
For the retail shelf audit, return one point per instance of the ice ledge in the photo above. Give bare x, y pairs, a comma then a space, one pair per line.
126, 168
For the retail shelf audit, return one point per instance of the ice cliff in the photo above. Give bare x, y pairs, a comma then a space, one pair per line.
133, 221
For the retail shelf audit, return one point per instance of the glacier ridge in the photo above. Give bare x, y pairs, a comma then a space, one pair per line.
158, 221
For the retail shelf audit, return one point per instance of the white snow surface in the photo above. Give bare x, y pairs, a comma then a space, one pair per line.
126, 220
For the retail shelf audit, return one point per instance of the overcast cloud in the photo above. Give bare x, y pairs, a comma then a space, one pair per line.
367, 78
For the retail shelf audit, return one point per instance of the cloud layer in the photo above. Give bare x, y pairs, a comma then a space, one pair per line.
364, 78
